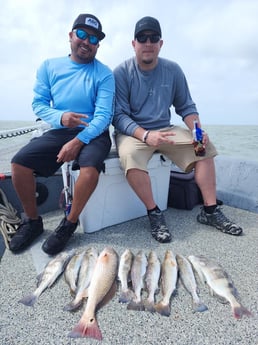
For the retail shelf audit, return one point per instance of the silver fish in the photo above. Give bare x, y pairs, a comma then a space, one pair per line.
219, 282
124, 269
138, 271
188, 279
152, 280
88, 263
102, 288
72, 269
168, 283
47, 278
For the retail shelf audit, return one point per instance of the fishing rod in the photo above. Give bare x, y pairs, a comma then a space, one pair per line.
9, 133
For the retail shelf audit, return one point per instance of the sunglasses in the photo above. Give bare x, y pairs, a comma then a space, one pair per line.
143, 38
83, 35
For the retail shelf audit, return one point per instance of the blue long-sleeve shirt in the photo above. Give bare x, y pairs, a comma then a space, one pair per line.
63, 85
144, 98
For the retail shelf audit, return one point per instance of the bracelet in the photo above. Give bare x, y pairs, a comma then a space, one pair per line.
145, 136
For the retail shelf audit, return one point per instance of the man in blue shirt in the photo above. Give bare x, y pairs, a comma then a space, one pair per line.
75, 95
147, 86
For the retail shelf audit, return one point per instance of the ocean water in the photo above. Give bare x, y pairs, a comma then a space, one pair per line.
235, 141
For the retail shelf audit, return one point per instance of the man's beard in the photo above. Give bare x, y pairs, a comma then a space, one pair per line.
147, 62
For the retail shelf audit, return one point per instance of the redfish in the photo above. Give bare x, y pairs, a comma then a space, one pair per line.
102, 288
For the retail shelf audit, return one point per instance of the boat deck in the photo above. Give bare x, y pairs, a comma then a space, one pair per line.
47, 324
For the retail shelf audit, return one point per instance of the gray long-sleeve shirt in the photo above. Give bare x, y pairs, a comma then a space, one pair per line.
144, 98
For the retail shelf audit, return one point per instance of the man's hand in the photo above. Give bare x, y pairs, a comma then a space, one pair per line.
72, 120
69, 151
156, 138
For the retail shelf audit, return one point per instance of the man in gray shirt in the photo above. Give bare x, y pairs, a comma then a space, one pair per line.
146, 87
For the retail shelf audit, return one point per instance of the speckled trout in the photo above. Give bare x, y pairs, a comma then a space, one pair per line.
124, 270
152, 280
168, 282
188, 279
88, 263
48, 277
138, 271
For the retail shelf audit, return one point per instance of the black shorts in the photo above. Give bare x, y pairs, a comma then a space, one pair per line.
40, 154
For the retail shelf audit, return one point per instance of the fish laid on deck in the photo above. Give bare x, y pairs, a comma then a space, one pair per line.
138, 271
47, 278
188, 279
219, 283
102, 288
72, 269
152, 280
168, 283
124, 270
88, 263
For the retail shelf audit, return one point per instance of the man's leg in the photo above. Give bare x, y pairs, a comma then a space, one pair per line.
83, 188
140, 182
31, 227
211, 214
206, 180
25, 186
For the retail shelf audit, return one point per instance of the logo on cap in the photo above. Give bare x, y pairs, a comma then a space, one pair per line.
92, 22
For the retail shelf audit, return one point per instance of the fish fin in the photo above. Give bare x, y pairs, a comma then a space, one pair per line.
139, 306
110, 294
239, 311
163, 309
126, 296
39, 278
220, 299
72, 291
86, 329
199, 307
29, 300
73, 306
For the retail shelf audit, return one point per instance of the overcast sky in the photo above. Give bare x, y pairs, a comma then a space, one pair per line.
214, 41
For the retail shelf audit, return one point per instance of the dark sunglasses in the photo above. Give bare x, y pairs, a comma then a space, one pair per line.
83, 35
143, 38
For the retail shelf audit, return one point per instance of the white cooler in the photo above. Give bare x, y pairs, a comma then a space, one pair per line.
114, 201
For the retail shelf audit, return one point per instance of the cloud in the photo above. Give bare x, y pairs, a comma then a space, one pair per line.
213, 41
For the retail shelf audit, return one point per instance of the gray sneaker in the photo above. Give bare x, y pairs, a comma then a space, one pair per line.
159, 229
219, 221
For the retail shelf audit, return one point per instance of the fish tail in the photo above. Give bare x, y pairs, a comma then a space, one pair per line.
199, 307
163, 309
149, 306
139, 306
125, 296
72, 306
86, 329
29, 300
239, 311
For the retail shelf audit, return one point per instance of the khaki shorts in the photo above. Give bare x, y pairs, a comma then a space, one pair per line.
135, 154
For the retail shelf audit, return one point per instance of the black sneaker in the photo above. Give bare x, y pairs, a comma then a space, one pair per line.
26, 233
159, 229
219, 221
56, 242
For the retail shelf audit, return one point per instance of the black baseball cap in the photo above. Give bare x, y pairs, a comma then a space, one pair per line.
147, 23
91, 22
